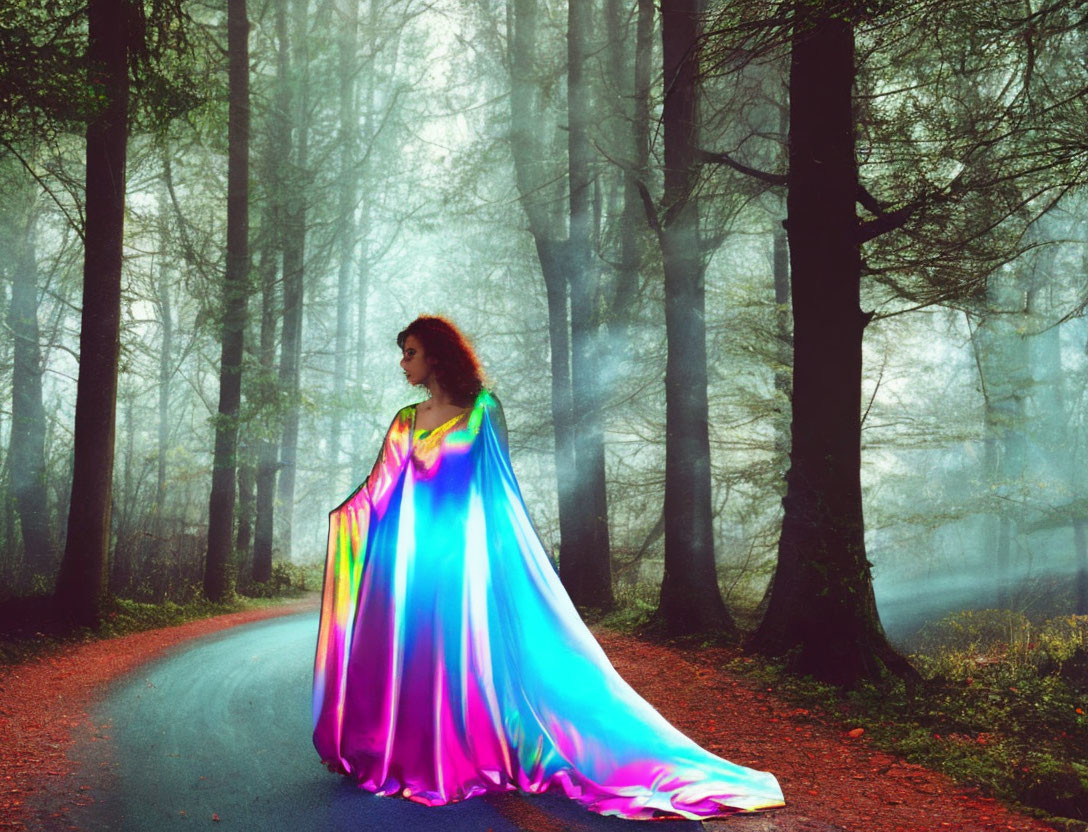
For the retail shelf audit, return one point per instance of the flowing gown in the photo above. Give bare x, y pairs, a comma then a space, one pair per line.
451, 661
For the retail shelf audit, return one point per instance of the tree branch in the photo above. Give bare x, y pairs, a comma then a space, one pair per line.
648, 205
889, 221
725, 159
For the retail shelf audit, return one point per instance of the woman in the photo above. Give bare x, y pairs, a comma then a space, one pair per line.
451, 661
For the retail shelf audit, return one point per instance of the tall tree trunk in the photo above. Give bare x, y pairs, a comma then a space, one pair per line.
166, 348
120, 571
783, 350
81, 582
526, 128
26, 448
690, 600
1004, 372
249, 433
360, 458
633, 140
235, 300
783, 373
590, 582
275, 158
265, 398
822, 612
294, 258
347, 21
247, 484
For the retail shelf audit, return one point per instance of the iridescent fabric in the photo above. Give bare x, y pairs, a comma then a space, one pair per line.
451, 661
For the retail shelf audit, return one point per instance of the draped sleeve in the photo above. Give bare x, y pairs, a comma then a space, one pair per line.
349, 525
498, 421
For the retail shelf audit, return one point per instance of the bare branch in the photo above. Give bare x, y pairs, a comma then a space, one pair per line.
725, 159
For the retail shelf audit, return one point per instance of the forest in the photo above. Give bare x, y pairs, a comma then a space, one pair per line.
785, 302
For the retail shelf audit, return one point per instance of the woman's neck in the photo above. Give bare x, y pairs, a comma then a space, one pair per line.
439, 397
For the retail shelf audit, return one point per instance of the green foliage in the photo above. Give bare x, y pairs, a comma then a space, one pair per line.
39, 634
635, 605
42, 78
133, 616
287, 578
1002, 707
44, 88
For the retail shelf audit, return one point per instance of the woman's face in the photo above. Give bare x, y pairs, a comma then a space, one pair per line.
414, 361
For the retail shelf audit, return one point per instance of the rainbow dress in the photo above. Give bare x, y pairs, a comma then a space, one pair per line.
451, 661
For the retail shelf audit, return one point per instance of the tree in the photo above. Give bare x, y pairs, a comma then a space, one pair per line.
347, 20
690, 599
588, 575
235, 301
527, 127
26, 447
294, 268
823, 599
264, 390
81, 583
821, 611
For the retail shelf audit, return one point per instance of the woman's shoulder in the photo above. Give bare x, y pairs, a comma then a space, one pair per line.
404, 415
487, 397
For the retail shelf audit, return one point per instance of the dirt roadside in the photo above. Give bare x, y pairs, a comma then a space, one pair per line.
44, 706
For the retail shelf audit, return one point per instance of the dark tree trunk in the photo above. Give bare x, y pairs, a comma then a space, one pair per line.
590, 582
690, 601
235, 299
26, 449
81, 582
822, 612
294, 258
247, 484
525, 129
267, 389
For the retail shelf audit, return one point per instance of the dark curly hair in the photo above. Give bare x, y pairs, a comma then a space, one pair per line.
456, 367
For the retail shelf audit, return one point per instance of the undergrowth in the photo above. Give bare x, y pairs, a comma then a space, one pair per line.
29, 625
1003, 705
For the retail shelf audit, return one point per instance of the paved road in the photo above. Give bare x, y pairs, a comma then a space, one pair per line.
222, 725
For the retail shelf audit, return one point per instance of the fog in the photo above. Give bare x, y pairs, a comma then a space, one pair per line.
972, 433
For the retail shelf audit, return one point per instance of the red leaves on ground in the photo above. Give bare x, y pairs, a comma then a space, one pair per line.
44, 704
826, 774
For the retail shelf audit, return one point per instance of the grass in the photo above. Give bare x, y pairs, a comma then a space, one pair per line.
29, 627
1003, 707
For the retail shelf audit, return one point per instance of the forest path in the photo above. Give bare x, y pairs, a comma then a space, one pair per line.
218, 728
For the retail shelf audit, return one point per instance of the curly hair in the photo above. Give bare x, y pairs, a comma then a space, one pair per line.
456, 367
